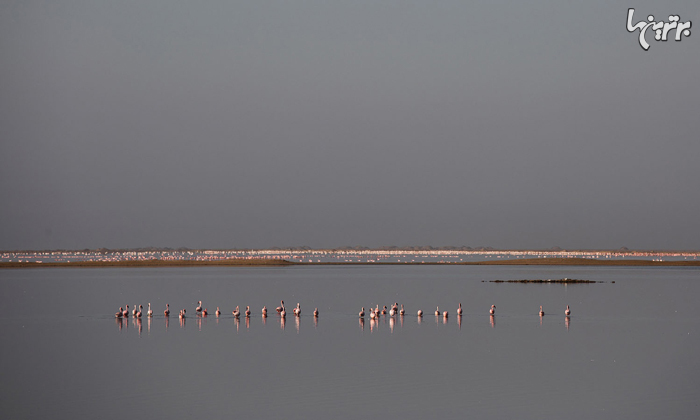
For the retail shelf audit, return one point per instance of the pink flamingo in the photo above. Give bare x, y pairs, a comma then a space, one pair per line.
362, 312
459, 310
492, 310
567, 312
247, 311
218, 312
236, 312
541, 311
166, 312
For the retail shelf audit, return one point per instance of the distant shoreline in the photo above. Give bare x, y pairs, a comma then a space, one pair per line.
260, 262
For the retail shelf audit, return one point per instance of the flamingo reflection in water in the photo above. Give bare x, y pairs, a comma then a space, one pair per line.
296, 323
373, 324
137, 321
566, 322
362, 324
247, 322
493, 321
392, 321
283, 320
237, 321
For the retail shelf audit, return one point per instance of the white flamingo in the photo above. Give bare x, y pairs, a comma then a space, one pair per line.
150, 312
218, 312
247, 311
236, 312
316, 313
198, 309
402, 312
437, 311
420, 313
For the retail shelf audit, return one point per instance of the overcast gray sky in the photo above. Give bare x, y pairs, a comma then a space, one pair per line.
229, 124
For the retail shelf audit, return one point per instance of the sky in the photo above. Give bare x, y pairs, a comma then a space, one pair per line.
257, 124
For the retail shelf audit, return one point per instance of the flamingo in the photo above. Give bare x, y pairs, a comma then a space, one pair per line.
138, 313
459, 310
150, 312
182, 313
135, 310
437, 311
541, 311
395, 307
125, 314
316, 313
204, 312
120, 313
198, 309
264, 311
492, 310
297, 310
281, 307
392, 312
218, 312
362, 312
372, 314
567, 312
283, 313
247, 311
236, 312
402, 312
166, 312
420, 313
444, 314
384, 310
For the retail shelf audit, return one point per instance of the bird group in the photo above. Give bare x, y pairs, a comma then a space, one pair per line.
373, 312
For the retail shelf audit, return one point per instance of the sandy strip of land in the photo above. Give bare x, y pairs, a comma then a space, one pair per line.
276, 263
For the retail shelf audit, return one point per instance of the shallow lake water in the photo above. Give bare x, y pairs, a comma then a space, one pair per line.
629, 350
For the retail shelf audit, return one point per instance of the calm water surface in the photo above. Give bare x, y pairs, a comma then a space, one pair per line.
628, 351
